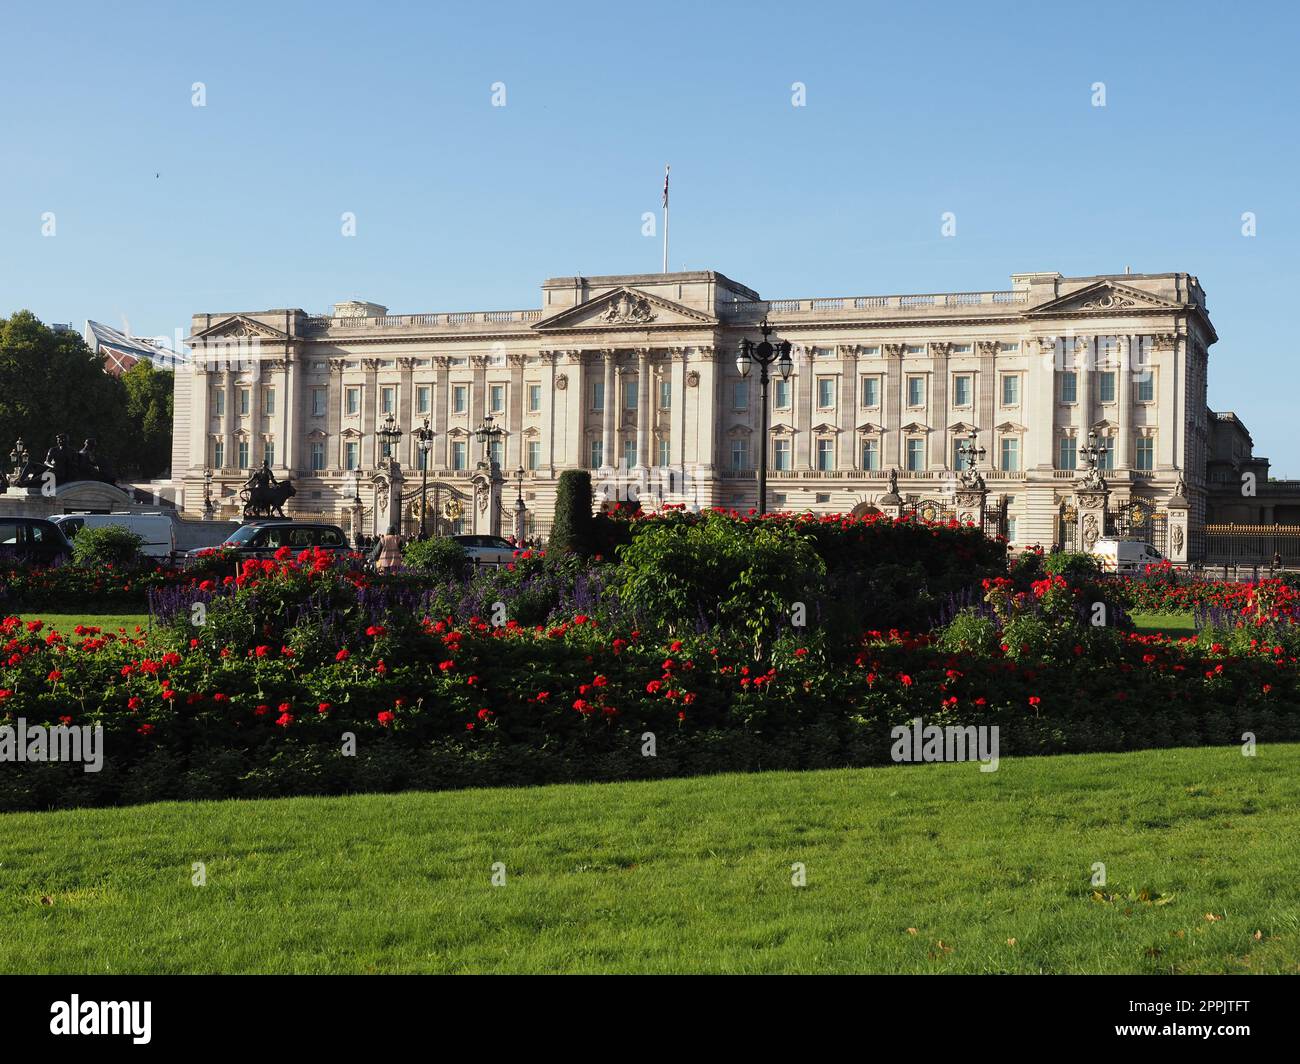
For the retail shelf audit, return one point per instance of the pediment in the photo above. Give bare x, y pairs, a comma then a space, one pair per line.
915, 426
825, 426
1105, 425
350, 433
625, 308
868, 426
1010, 426
316, 434
239, 327
782, 429
740, 430
1103, 297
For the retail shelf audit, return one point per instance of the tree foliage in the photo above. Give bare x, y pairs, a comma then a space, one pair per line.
573, 529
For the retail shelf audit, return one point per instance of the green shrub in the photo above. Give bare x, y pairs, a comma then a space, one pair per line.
573, 530
107, 545
744, 575
970, 633
1069, 564
439, 555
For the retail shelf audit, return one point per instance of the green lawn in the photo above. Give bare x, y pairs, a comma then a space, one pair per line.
1171, 624
110, 622
931, 868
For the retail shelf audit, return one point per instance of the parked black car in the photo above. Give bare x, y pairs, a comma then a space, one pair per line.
33, 539
261, 539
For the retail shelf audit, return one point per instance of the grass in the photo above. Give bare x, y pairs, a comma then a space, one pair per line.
1171, 624
64, 623
928, 868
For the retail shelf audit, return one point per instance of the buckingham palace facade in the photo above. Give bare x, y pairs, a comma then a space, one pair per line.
635, 378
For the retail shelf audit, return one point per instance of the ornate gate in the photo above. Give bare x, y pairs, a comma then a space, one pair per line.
995, 516
933, 510
1067, 528
1131, 520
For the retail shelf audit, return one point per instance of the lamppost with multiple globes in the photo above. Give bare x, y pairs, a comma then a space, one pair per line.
207, 495
764, 353
520, 508
488, 433
424, 440
390, 435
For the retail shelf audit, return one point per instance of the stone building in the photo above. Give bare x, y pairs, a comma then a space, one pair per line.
634, 377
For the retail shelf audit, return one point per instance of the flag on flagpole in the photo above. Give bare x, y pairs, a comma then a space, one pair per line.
666, 169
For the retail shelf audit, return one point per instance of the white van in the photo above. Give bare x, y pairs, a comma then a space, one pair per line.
156, 530
1125, 555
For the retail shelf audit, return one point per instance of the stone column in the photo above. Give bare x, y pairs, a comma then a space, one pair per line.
232, 419
938, 403
644, 410
892, 443
1083, 363
440, 406
1092, 516
280, 425
406, 404
334, 417
369, 409
1178, 507
387, 508
607, 423
848, 408
1124, 403
200, 416
972, 503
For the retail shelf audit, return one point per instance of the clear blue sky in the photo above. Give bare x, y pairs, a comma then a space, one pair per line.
912, 110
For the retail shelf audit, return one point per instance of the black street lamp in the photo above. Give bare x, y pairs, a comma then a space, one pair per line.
764, 353
488, 433
389, 436
519, 508
207, 495
424, 440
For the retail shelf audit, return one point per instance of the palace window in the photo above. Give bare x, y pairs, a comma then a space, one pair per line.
497, 399
1106, 386
825, 455
665, 394
422, 394
1010, 454
1011, 529
318, 400
458, 454
597, 398
218, 454
870, 391
352, 401
1107, 460
317, 456
1069, 386
915, 455
740, 395
781, 398
459, 399
243, 454
388, 400
243, 402
915, 391
739, 454
1067, 453
497, 451
781, 455
1146, 453
961, 349
629, 453
665, 452
870, 454
914, 349
351, 455
961, 389
534, 398
1008, 347
597, 454
268, 452
1010, 389
219, 402
959, 460
630, 388
534, 454
1146, 387
825, 393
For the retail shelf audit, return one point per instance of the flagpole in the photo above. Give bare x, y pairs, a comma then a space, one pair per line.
666, 169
